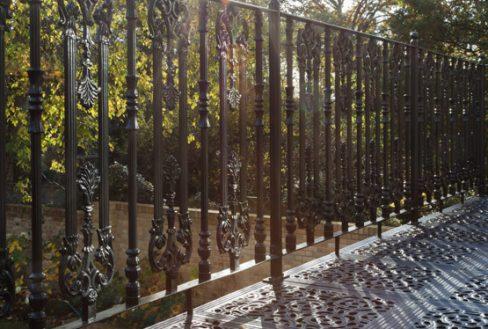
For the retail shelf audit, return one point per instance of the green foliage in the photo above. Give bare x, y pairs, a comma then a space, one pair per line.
456, 27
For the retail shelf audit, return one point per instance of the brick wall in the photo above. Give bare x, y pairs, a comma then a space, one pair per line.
18, 221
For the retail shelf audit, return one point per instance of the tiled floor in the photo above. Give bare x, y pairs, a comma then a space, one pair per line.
431, 276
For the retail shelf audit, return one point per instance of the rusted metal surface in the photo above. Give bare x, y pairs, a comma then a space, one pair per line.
430, 276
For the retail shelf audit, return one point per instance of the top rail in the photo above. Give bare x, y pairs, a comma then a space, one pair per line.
254, 7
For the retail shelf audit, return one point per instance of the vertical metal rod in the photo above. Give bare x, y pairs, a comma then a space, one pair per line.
359, 197
420, 135
302, 136
291, 226
70, 144
157, 129
223, 107
445, 128
37, 298
437, 136
259, 233
328, 202
414, 140
275, 144
316, 123
337, 246
189, 302
132, 270
183, 125
385, 119
204, 124
407, 130
451, 130
367, 121
243, 107
103, 129
337, 129
482, 191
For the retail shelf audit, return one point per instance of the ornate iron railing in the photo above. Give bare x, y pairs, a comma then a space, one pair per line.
384, 129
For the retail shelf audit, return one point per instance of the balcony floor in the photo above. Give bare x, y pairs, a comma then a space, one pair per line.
431, 276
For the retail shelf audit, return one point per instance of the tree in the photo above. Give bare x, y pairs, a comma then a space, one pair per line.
456, 27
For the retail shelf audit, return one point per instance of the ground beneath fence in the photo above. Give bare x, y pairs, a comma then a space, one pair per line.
431, 276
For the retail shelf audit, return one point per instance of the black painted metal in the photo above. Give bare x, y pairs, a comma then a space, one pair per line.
169, 22
358, 196
204, 124
7, 283
259, 231
103, 17
275, 144
328, 199
133, 269
418, 130
37, 298
385, 120
291, 240
233, 230
85, 273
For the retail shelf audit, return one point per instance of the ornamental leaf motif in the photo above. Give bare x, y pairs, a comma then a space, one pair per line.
233, 231
88, 181
79, 275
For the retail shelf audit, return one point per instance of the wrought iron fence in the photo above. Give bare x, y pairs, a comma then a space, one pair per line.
384, 128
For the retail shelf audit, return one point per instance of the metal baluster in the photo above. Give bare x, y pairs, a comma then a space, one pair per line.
347, 63
242, 43
170, 21
367, 129
7, 282
78, 273
407, 189
103, 17
316, 52
359, 197
459, 115
385, 120
133, 269
451, 130
70, 259
223, 34
328, 201
420, 127
464, 133
337, 128
37, 297
396, 127
233, 222
184, 234
291, 239
482, 191
204, 124
260, 233
302, 66
376, 103
414, 131
275, 130
157, 236
428, 127
437, 183
445, 128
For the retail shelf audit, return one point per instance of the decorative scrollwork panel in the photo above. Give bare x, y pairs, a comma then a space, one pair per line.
233, 230
177, 250
79, 273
